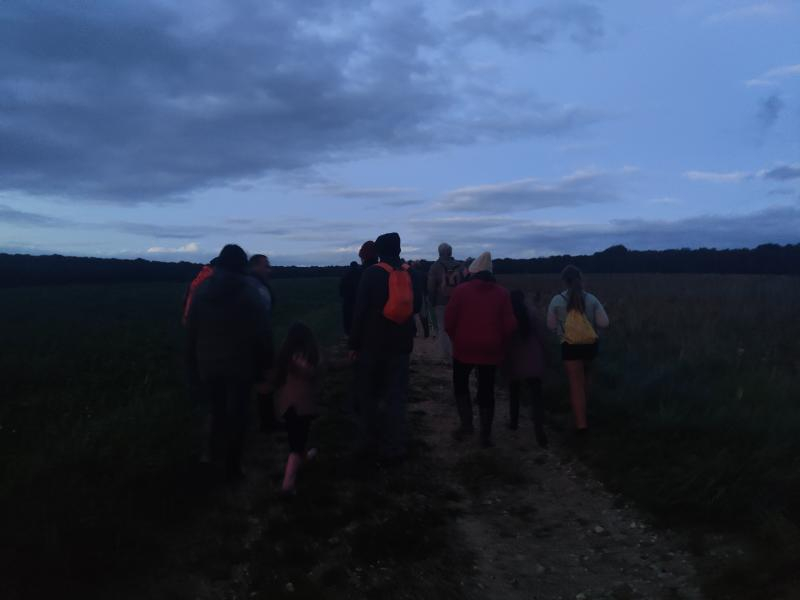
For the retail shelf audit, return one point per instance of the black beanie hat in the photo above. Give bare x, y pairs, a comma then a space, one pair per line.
388, 245
232, 258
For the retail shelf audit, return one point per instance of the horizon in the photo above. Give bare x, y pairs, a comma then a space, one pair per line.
178, 259
160, 131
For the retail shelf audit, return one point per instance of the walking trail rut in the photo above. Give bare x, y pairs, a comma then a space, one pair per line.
553, 532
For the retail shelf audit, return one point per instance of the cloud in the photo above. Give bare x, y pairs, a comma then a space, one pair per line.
783, 172
747, 11
149, 101
344, 191
520, 238
718, 177
12, 216
190, 248
582, 187
538, 27
772, 76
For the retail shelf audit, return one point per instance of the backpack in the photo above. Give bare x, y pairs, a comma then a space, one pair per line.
577, 328
399, 308
452, 277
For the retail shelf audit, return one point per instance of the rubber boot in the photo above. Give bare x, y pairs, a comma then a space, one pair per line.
513, 411
464, 406
293, 464
537, 413
487, 416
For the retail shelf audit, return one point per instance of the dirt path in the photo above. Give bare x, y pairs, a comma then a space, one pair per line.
538, 524
454, 522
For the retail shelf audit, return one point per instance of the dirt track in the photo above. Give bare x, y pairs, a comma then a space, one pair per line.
456, 521
556, 533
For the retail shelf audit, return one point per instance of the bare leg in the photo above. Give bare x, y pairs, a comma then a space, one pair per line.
577, 391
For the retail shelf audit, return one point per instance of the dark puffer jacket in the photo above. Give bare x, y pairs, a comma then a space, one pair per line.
229, 328
373, 333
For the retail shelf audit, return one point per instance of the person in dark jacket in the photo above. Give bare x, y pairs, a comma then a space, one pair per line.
230, 349
381, 349
260, 269
421, 282
480, 321
524, 365
348, 285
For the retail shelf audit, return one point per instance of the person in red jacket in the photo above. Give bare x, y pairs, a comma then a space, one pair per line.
480, 322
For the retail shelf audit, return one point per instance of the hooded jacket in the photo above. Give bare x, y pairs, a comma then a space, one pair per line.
436, 277
372, 332
229, 328
480, 321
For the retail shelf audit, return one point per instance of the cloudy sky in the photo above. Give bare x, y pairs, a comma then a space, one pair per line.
164, 129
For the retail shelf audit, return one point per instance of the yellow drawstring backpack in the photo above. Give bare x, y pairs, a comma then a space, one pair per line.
577, 328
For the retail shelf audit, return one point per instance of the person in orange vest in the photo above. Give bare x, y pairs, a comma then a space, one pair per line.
206, 272
381, 341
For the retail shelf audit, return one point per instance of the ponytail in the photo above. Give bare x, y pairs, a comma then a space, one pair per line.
574, 280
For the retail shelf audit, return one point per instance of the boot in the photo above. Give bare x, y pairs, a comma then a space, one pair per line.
464, 406
487, 416
293, 464
513, 412
537, 413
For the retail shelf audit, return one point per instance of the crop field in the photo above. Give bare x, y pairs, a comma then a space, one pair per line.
695, 414
696, 409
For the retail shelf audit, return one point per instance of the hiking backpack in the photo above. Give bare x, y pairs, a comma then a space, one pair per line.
577, 328
399, 308
452, 277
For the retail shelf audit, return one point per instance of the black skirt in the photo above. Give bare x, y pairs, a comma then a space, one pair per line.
578, 351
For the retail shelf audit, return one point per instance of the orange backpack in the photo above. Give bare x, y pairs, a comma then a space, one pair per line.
400, 306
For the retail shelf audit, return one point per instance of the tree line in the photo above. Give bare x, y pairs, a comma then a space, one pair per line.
24, 269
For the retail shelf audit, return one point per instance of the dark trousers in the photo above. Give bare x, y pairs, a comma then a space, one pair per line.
297, 426
228, 399
534, 385
486, 377
383, 377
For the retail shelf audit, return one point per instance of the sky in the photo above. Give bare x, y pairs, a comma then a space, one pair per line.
164, 129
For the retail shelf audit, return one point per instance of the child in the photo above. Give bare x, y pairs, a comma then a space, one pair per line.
525, 364
296, 378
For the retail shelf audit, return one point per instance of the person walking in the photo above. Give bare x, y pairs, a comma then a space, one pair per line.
348, 285
524, 365
260, 269
230, 349
297, 376
423, 316
205, 272
480, 321
575, 315
443, 277
381, 342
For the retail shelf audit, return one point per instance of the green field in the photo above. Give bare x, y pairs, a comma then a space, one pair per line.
696, 410
98, 435
695, 416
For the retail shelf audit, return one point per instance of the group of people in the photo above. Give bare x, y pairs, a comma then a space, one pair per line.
480, 327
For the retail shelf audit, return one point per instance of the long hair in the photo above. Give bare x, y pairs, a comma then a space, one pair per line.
299, 340
524, 326
574, 280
